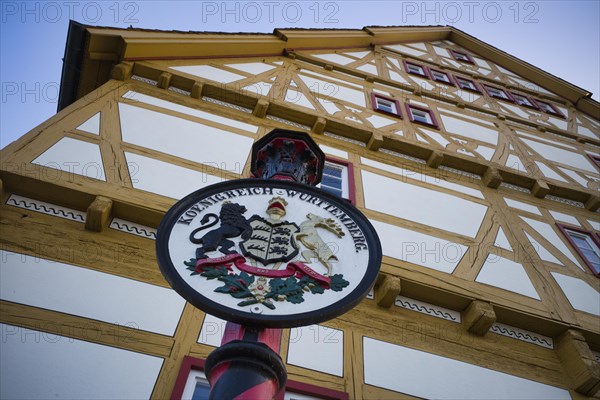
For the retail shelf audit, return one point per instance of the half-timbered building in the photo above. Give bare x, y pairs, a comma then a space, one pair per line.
480, 173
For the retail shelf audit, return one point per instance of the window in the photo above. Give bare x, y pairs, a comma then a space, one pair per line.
440, 76
466, 84
497, 93
595, 159
548, 108
385, 105
338, 178
192, 384
421, 115
415, 69
523, 100
586, 244
460, 56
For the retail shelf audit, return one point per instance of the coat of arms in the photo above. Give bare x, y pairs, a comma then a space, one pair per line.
271, 262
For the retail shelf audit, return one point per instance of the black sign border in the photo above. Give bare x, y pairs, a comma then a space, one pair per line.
262, 320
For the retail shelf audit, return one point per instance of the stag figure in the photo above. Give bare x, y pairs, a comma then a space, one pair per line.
310, 238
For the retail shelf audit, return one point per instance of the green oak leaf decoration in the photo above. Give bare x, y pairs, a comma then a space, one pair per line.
263, 290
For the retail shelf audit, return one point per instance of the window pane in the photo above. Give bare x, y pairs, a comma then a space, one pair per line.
439, 76
523, 101
589, 250
385, 105
331, 181
466, 84
415, 69
421, 116
333, 171
201, 391
335, 179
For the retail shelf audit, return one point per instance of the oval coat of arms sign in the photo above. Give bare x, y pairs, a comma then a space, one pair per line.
268, 253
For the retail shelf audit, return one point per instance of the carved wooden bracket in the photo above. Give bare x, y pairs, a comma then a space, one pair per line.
386, 290
122, 71
435, 159
260, 110
540, 189
492, 178
579, 362
98, 214
319, 126
593, 203
164, 80
197, 90
479, 317
375, 141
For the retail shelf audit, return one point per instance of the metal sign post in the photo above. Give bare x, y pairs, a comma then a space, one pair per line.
302, 257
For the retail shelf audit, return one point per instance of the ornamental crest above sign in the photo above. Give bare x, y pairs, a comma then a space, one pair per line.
268, 253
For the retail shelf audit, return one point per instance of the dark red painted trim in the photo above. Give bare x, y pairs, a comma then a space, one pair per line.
201, 57
434, 120
509, 98
556, 112
329, 48
351, 184
374, 105
312, 390
424, 68
455, 52
450, 80
593, 235
191, 363
477, 88
188, 364
533, 103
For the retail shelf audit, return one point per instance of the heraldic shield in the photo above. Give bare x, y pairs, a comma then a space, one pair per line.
270, 242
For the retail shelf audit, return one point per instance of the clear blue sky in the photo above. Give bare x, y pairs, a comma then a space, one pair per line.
562, 37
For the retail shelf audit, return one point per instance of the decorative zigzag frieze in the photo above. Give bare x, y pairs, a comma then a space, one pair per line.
45, 208
133, 228
429, 309
522, 334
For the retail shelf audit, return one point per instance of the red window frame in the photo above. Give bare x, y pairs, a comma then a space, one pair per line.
425, 73
434, 122
595, 159
351, 185
508, 98
595, 236
555, 111
191, 363
375, 96
533, 104
456, 54
459, 78
450, 80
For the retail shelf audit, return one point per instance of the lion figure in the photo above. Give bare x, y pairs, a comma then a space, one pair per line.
233, 224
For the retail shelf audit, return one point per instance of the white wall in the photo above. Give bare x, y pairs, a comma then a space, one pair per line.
430, 376
38, 365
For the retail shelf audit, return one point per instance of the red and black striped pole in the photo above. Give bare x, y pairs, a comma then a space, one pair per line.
247, 365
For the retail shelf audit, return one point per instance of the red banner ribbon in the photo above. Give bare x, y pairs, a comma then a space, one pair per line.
293, 268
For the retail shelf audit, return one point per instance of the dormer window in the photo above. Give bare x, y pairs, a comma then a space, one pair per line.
385, 105
523, 100
466, 84
586, 244
338, 179
440, 76
548, 108
415, 69
421, 115
497, 93
461, 56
